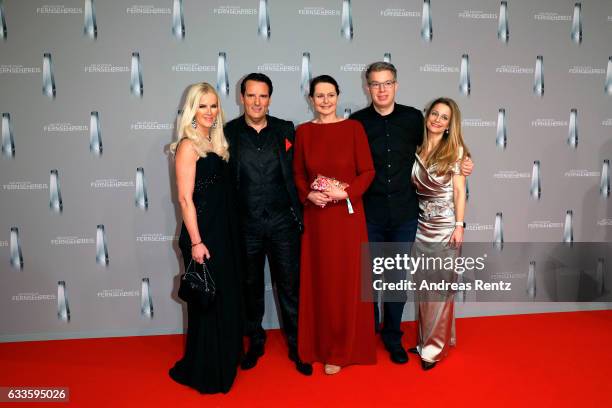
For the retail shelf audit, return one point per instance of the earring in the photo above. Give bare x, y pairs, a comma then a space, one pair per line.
446, 132
214, 125
194, 124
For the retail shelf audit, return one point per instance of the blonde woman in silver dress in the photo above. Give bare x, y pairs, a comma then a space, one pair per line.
440, 188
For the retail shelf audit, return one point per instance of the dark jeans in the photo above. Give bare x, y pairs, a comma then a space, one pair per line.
276, 236
392, 311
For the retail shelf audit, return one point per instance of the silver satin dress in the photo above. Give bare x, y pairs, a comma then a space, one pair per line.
436, 319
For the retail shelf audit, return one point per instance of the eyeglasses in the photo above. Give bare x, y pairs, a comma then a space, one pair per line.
384, 85
436, 115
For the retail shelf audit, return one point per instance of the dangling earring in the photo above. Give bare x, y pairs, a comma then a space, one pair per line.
214, 125
194, 124
446, 132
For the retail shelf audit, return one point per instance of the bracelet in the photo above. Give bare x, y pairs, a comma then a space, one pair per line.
194, 245
460, 224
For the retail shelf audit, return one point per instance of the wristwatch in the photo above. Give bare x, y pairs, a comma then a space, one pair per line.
460, 224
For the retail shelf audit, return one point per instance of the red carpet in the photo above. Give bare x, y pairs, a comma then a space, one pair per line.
544, 360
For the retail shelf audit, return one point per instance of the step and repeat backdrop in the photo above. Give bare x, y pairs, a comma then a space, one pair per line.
90, 92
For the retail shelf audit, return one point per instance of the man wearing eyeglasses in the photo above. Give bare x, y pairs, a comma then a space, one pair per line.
391, 206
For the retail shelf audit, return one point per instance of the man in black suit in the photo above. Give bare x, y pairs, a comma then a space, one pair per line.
260, 157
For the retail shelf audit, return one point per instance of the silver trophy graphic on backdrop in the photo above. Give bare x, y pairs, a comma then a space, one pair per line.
347, 113
178, 20
146, 302
263, 27
347, 20
8, 143
306, 75
538, 82
48, 87
467, 189
222, 79
63, 308
90, 28
464, 75
572, 139
531, 280
536, 181
136, 86
568, 228
608, 84
577, 24
503, 32
426, 27
55, 195
600, 277
604, 184
3, 32
498, 232
101, 247
15, 249
95, 135
387, 57
501, 138
140, 196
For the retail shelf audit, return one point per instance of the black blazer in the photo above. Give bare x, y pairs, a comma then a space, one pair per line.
284, 132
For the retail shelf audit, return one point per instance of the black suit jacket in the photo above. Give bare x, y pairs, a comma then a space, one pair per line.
284, 132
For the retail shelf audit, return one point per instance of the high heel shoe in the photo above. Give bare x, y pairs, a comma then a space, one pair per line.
331, 369
428, 365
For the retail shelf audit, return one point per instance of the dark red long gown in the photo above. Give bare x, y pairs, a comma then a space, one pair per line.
335, 326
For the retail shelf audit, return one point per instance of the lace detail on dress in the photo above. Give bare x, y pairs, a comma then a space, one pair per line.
438, 208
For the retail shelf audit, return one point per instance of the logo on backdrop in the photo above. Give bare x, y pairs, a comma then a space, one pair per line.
263, 26
55, 196
95, 134
577, 24
90, 28
586, 70
147, 10
151, 125
501, 138
72, 240
538, 81
426, 26
478, 122
353, 67
234, 10
120, 292
438, 68
347, 20
24, 185
32, 297
536, 181
15, 249
572, 139
399, 12
48, 87
475, 226
222, 78
178, 20
477, 15
63, 308
306, 75
8, 143
511, 175
544, 225
277, 67
136, 86
547, 122
101, 247
503, 31
140, 194
58, 9
464, 75
581, 173
318, 11
156, 237
146, 301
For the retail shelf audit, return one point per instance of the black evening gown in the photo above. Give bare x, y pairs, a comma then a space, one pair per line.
214, 337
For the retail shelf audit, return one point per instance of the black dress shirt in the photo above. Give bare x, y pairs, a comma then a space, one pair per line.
391, 199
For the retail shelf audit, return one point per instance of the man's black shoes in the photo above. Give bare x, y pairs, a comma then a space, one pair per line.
397, 354
250, 359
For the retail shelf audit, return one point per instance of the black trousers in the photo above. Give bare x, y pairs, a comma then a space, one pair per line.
277, 237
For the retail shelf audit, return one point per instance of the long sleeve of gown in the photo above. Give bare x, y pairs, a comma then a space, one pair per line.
363, 164
299, 167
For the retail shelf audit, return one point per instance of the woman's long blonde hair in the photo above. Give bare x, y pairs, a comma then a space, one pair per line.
446, 153
186, 131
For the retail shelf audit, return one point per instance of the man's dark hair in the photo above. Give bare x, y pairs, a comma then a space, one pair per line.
380, 66
259, 77
323, 79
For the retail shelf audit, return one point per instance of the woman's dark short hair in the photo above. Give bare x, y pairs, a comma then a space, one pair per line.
323, 79
258, 77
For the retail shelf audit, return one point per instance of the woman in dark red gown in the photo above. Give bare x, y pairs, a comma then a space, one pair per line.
335, 326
